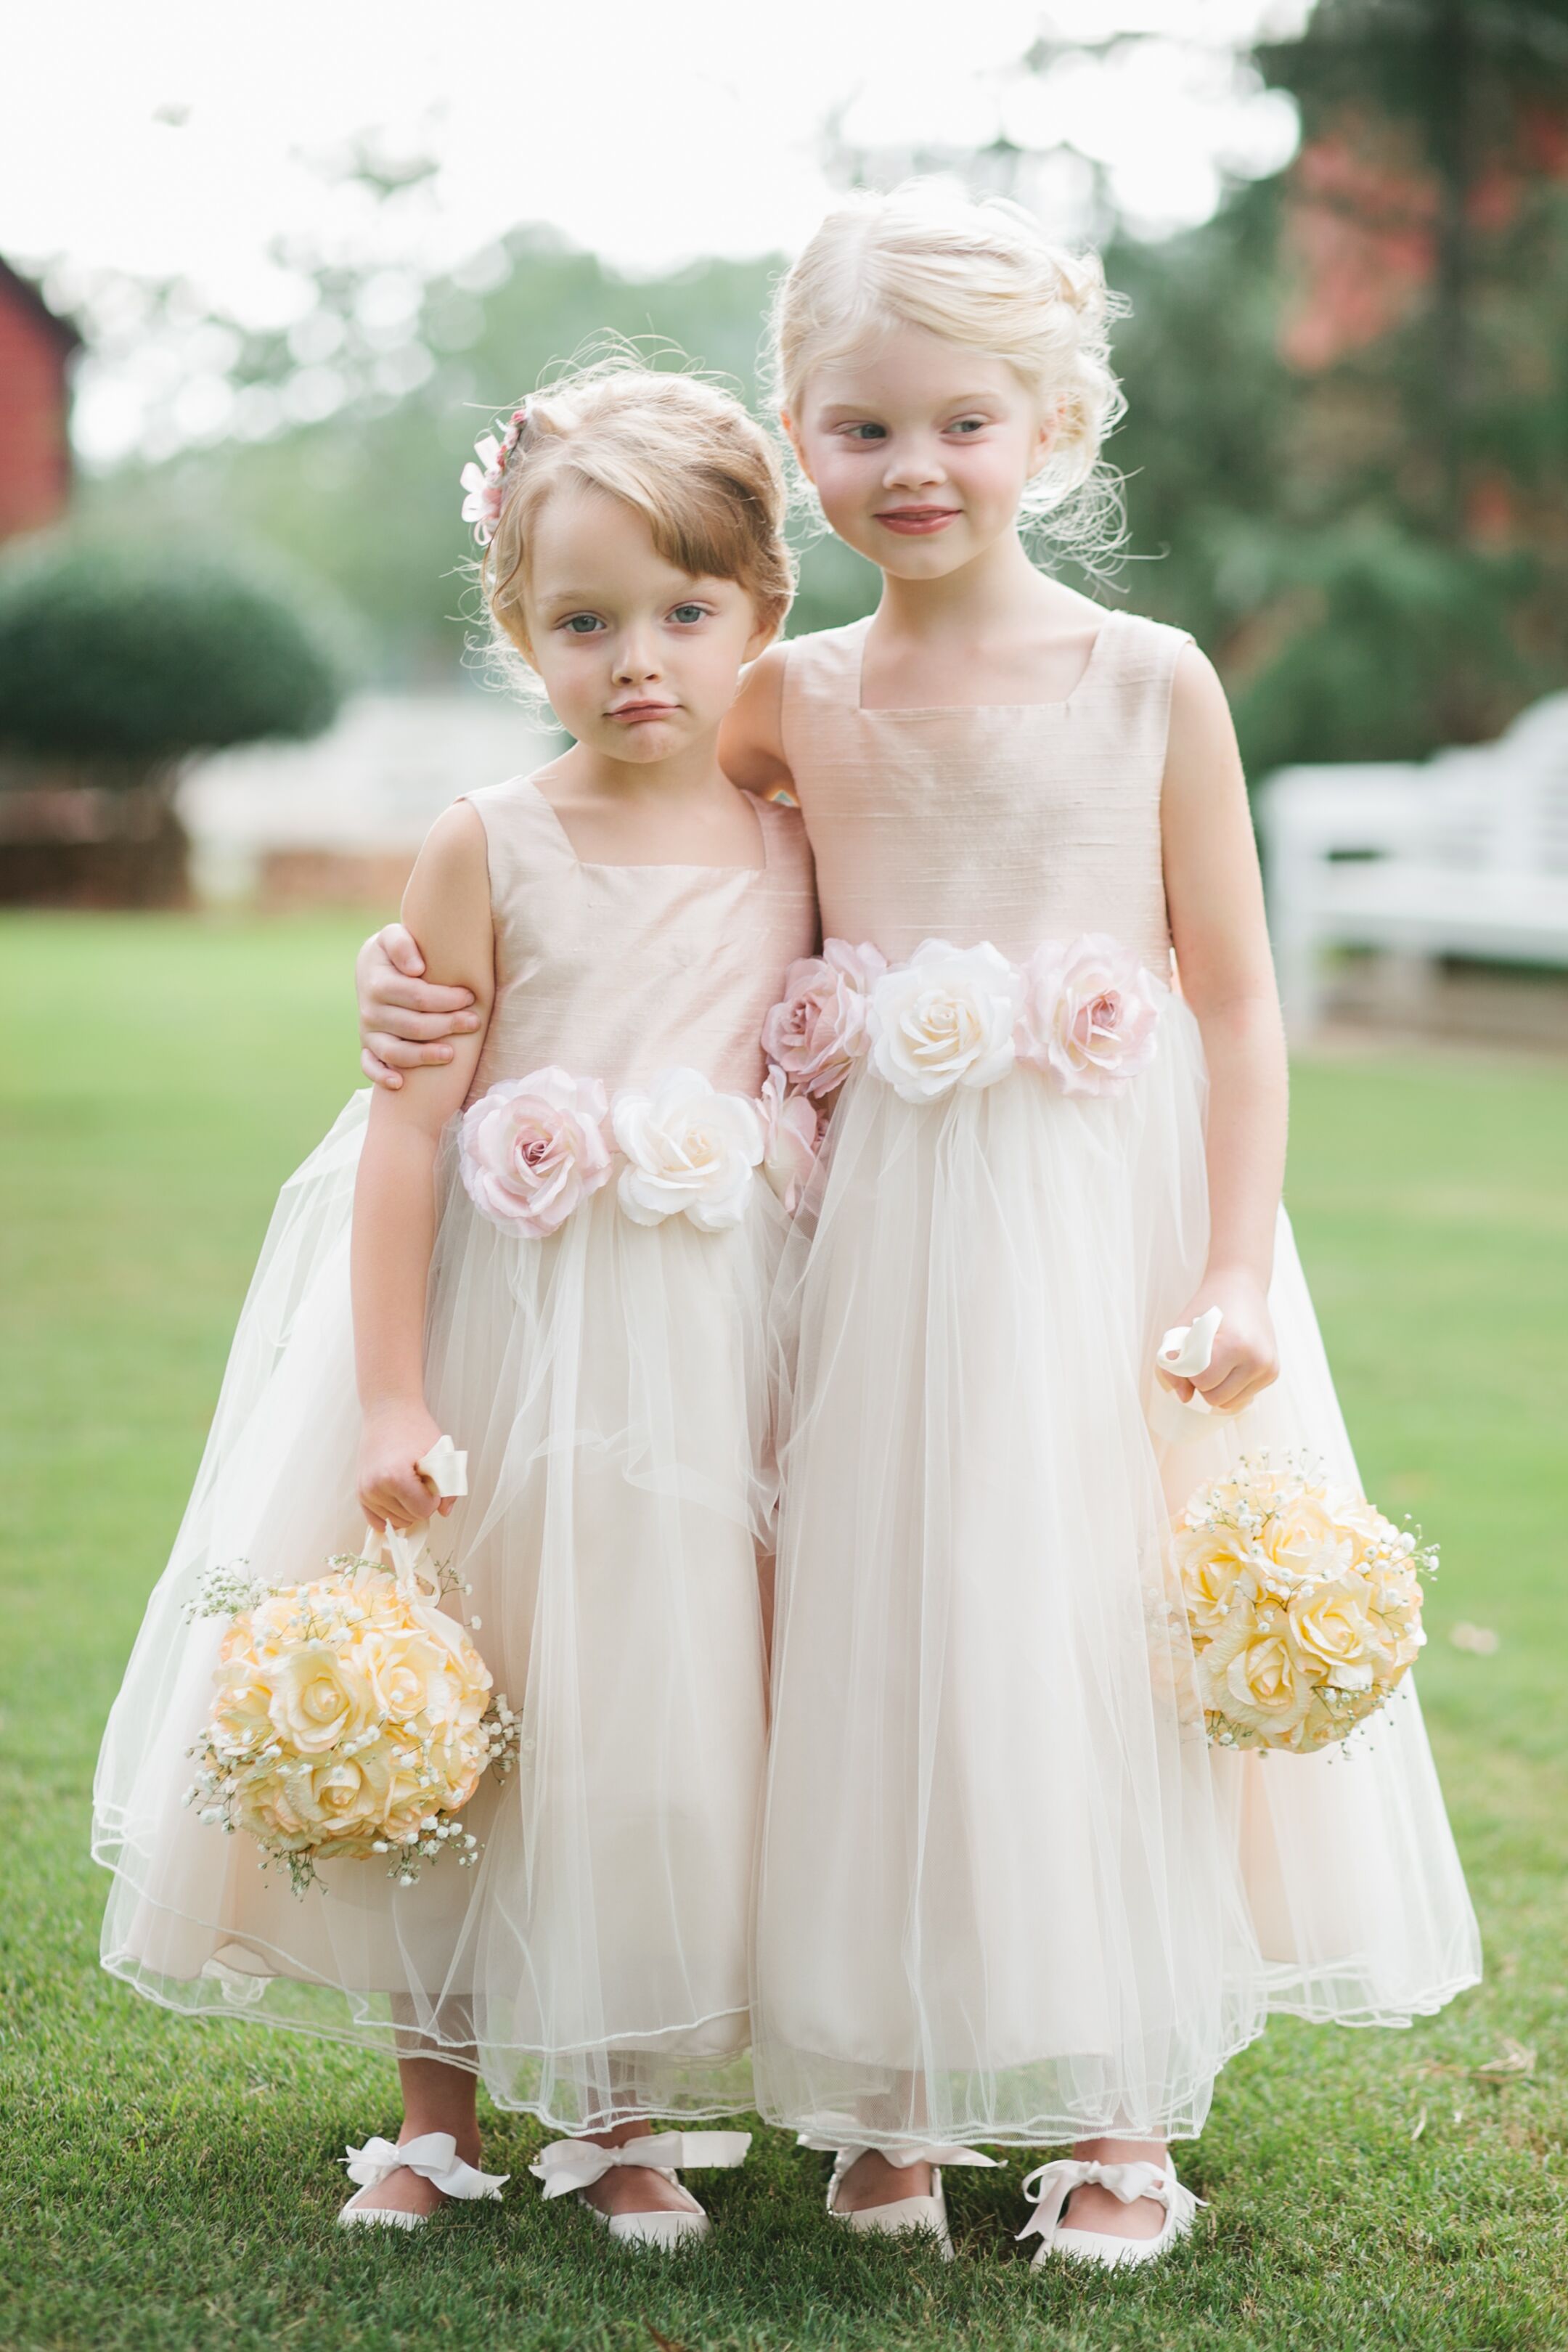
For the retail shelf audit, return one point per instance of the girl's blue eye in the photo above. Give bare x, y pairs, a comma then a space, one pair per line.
581, 624
970, 424
687, 613
867, 432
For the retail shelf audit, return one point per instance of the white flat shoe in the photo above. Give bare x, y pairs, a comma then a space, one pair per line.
434, 2155
905, 2215
569, 2165
1050, 2185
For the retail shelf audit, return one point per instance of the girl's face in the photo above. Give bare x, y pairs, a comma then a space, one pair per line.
639, 660
919, 449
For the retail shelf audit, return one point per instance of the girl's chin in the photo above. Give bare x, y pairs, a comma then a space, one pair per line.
650, 738
919, 559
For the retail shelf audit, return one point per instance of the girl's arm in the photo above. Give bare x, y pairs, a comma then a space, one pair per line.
449, 903
409, 1022
751, 740
1214, 892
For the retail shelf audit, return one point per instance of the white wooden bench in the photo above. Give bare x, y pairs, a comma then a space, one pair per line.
1462, 855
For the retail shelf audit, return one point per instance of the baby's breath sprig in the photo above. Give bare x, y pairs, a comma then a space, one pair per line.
227, 1591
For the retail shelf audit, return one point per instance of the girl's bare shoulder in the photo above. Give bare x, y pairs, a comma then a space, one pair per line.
750, 742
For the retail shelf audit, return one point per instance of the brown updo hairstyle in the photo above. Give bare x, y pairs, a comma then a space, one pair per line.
679, 450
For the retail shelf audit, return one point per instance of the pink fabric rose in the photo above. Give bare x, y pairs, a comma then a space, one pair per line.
532, 1148
817, 1033
792, 1126
1090, 1013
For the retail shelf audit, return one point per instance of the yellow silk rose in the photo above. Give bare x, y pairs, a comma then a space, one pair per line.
1253, 1674
1209, 1561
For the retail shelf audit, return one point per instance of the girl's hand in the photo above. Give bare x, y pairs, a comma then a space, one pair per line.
392, 1492
402, 1017
1246, 1358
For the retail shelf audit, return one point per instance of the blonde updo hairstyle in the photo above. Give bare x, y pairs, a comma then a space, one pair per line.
679, 450
980, 272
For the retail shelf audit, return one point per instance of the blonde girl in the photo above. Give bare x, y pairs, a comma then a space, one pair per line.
1006, 1892
557, 1247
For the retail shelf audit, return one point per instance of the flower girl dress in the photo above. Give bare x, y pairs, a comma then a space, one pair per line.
1007, 1893
609, 1383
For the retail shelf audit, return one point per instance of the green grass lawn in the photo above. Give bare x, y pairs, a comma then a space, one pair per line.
171, 2184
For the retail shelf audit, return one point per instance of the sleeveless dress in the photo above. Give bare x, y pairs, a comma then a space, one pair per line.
609, 1384
1006, 1891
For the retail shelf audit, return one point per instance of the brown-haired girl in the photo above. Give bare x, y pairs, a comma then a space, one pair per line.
558, 1247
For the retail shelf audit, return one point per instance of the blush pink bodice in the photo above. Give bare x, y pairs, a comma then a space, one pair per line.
1012, 823
619, 972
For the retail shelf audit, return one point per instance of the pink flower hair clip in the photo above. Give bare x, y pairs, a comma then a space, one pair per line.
484, 482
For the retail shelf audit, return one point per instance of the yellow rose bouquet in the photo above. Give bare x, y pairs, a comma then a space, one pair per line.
352, 1717
1303, 1603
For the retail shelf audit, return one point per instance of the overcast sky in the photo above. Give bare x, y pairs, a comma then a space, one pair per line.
178, 137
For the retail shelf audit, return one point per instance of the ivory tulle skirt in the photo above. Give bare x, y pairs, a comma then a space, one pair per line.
1006, 1891
609, 1386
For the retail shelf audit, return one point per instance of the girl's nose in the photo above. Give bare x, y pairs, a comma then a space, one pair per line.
636, 657
914, 465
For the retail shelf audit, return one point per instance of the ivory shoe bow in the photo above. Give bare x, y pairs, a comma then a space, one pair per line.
571, 2165
1050, 2185
903, 2216
899, 2154
434, 2155
575, 2164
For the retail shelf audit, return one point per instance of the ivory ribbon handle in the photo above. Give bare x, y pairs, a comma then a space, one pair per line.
1187, 1350
446, 1469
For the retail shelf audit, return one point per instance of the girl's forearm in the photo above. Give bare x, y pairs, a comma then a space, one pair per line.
1247, 1107
394, 1234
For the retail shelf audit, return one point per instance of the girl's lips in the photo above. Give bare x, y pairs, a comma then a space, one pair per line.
917, 521
630, 712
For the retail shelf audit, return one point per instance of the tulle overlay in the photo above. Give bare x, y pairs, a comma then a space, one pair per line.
609, 1383
1007, 1891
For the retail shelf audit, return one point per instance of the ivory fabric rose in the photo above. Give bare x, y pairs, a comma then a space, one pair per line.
816, 1033
689, 1152
1253, 1674
1329, 1624
1210, 1562
242, 1711
320, 1698
944, 1019
1301, 1539
1090, 1014
792, 1125
532, 1149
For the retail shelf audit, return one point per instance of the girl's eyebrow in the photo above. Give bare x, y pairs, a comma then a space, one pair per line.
838, 410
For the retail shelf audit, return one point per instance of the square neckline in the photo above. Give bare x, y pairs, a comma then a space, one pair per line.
650, 865
975, 710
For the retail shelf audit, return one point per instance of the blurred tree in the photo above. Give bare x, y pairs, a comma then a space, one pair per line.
118, 661
1347, 448
367, 497
1415, 589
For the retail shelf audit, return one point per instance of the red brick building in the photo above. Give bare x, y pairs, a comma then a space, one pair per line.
36, 353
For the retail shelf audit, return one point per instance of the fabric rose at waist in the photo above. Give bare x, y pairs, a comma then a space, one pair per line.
532, 1149
1083, 1012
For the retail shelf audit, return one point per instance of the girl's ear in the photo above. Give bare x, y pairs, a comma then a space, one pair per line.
761, 638
793, 435
1050, 424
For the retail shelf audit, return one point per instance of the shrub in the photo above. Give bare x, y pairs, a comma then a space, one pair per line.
133, 655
